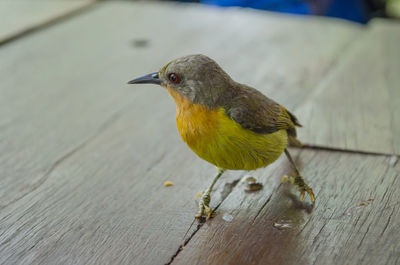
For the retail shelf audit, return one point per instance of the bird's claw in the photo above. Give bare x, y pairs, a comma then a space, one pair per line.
307, 190
310, 193
204, 207
301, 186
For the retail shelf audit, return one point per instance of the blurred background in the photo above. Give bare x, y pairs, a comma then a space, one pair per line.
360, 11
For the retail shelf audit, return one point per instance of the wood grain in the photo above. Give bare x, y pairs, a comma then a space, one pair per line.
21, 16
357, 106
56, 99
84, 156
354, 220
106, 202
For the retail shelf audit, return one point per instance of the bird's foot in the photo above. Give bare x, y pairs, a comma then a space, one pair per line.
204, 205
301, 186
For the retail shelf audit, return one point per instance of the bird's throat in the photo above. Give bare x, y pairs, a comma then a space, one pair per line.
196, 123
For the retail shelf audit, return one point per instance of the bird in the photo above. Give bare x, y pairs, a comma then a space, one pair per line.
228, 124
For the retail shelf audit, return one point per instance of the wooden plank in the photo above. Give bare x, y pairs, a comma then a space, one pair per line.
354, 220
83, 158
108, 204
39, 137
358, 106
285, 58
21, 16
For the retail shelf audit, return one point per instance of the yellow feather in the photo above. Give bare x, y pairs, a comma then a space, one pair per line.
216, 138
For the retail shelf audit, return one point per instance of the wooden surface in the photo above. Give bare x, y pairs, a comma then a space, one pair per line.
84, 156
364, 88
19, 17
355, 219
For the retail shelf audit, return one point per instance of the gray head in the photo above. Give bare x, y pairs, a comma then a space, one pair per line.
197, 77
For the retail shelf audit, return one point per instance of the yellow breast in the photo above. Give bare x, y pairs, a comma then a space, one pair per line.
216, 138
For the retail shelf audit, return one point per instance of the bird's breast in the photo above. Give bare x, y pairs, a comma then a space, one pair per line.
216, 138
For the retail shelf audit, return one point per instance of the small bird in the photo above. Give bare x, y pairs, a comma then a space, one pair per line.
230, 125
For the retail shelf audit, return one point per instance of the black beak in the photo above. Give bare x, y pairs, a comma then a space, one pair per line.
147, 79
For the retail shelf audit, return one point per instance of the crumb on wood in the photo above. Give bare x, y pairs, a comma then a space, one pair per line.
282, 225
168, 183
367, 202
359, 206
251, 184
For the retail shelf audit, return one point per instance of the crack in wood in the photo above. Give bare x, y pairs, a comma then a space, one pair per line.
180, 248
363, 237
262, 207
48, 23
70, 153
228, 188
336, 149
388, 221
225, 194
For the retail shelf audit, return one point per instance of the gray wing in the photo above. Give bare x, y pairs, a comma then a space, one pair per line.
254, 111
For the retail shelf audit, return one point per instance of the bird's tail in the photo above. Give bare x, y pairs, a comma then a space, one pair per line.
293, 141
292, 134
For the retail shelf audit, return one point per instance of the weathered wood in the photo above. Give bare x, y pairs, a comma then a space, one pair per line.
358, 105
83, 156
20, 16
354, 220
106, 203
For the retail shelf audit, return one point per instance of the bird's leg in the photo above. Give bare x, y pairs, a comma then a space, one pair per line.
302, 187
204, 203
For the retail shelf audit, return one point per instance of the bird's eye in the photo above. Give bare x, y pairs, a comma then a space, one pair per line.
173, 78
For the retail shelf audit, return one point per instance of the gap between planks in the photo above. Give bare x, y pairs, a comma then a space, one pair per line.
331, 70
192, 234
225, 194
395, 159
48, 23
